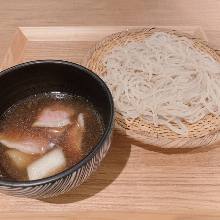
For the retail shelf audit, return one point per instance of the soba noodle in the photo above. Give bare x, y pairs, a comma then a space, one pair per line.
164, 80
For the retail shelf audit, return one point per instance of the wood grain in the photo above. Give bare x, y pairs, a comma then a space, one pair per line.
71, 43
15, 51
92, 33
133, 180
14, 14
107, 216
133, 176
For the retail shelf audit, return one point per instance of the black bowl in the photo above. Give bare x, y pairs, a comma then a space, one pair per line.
34, 77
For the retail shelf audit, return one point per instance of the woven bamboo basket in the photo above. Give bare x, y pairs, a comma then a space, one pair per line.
204, 132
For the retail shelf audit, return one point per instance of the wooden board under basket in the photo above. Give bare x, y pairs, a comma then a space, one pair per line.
134, 179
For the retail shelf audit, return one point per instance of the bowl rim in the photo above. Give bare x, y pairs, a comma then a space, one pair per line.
92, 152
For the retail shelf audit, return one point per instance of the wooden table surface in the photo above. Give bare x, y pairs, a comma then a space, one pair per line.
203, 13
14, 13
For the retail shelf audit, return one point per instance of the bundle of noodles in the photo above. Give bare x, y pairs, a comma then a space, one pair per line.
162, 79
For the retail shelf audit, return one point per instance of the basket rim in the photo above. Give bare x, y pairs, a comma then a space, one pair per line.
198, 42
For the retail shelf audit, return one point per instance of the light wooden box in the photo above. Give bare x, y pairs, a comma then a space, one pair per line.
134, 179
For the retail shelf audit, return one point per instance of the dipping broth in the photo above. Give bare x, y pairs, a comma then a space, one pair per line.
45, 134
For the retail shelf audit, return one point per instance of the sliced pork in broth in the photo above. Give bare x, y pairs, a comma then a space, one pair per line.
45, 134
54, 116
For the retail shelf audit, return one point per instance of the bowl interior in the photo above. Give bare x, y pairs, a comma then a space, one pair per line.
34, 77
44, 76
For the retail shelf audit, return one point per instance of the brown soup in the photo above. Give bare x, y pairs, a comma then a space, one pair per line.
45, 134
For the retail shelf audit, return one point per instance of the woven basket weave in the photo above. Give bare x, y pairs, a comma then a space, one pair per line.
204, 132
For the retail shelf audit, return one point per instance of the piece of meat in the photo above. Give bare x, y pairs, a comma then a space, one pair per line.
73, 140
26, 143
51, 163
54, 116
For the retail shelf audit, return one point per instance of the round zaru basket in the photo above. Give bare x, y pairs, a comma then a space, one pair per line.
204, 132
